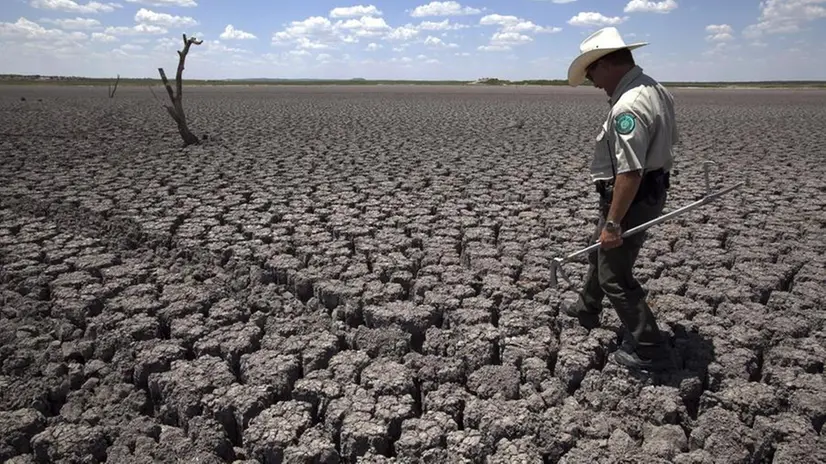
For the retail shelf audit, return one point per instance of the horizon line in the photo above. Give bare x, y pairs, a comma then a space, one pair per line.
47, 77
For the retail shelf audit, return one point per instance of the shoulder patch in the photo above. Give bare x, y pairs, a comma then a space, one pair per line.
625, 123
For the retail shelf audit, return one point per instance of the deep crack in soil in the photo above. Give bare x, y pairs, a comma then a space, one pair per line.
362, 275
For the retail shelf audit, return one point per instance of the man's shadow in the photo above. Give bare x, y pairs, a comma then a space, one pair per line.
692, 355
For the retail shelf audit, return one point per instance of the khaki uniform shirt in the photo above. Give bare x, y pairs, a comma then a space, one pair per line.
640, 130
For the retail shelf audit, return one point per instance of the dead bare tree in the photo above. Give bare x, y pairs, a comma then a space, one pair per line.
177, 108
111, 90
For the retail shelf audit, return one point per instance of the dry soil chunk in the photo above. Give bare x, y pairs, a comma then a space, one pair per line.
16, 429
268, 367
179, 391
315, 349
315, 446
748, 400
319, 389
521, 450
449, 398
540, 342
236, 405
347, 366
362, 433
475, 345
387, 377
104, 403
468, 446
276, 428
665, 441
724, 437
392, 343
420, 434
433, 371
230, 343
70, 443
154, 358
209, 435
578, 354
406, 315
499, 418
492, 381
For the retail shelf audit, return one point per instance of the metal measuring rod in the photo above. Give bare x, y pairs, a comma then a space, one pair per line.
556, 263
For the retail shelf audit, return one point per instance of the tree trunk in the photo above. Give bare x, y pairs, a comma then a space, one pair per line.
111, 90
177, 108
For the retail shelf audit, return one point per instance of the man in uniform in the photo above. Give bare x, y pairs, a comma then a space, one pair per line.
630, 167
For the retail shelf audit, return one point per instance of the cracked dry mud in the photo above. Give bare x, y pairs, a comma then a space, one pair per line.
361, 275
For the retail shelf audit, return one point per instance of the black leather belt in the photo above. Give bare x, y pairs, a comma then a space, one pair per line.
652, 185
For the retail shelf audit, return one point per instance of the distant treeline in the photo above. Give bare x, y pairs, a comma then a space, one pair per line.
78, 80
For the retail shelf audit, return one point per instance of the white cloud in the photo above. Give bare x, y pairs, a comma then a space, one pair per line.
509, 38
493, 48
71, 6
74, 24
101, 37
448, 8
720, 49
145, 16
31, 31
514, 24
719, 32
444, 25
303, 43
138, 29
435, 42
403, 33
512, 31
215, 47
372, 46
355, 11
647, 6
320, 32
131, 47
366, 26
594, 19
785, 16
163, 3
231, 32
503, 41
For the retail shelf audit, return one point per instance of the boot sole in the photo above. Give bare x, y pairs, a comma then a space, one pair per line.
626, 359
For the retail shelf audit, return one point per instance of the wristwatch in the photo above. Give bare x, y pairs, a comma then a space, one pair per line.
612, 226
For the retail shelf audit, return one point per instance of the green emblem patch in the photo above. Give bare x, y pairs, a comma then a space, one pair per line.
625, 123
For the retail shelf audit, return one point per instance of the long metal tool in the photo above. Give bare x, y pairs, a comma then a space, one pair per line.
556, 263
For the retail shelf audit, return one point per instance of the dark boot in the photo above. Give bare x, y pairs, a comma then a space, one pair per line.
587, 318
649, 358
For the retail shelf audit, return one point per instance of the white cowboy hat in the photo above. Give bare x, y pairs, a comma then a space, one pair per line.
597, 45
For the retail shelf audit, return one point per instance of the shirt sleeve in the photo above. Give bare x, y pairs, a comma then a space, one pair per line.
629, 138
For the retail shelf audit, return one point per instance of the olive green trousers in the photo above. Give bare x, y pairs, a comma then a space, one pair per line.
610, 274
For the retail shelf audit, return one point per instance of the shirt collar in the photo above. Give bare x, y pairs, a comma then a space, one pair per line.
626, 80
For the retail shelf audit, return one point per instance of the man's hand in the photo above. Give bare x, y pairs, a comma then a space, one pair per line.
609, 239
625, 188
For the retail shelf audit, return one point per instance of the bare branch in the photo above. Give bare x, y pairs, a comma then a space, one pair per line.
166, 84
156, 96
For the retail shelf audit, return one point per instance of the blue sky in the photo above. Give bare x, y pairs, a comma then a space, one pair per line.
700, 40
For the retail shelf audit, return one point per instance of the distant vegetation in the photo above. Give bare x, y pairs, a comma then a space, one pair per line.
491, 81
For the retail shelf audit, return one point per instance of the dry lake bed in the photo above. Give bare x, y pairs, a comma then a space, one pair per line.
361, 274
